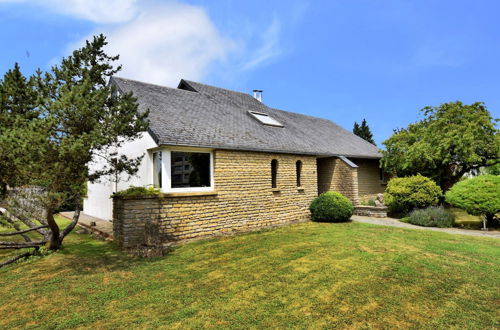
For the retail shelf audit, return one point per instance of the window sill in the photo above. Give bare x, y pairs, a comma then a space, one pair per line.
275, 190
190, 193
299, 189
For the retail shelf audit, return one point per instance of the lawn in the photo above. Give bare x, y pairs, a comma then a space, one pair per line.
308, 275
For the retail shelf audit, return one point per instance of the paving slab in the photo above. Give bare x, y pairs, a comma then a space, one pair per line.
391, 222
102, 227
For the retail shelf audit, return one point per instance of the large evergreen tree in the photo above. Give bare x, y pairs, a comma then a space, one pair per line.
18, 99
80, 118
363, 131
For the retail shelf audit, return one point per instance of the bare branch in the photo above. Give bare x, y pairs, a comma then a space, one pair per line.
22, 218
14, 225
21, 256
20, 245
21, 231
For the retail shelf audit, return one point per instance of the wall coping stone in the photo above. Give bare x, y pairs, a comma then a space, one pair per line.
167, 195
369, 207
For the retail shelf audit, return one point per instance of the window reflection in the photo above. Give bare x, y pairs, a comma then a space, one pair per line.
190, 169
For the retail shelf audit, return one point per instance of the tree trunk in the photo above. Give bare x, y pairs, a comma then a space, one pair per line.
490, 221
448, 182
55, 241
3, 189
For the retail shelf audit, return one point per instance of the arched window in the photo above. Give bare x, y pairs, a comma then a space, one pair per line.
298, 168
274, 173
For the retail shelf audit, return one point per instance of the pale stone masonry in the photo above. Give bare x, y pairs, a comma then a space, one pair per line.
369, 180
336, 175
210, 151
243, 201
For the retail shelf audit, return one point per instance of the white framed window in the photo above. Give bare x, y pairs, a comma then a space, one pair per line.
157, 169
265, 119
184, 170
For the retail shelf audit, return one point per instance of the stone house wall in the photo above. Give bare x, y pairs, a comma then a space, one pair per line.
243, 201
336, 175
369, 183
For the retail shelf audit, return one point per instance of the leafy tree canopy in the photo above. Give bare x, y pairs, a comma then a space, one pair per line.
363, 131
451, 140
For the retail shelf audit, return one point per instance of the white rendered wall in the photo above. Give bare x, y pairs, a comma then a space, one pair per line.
98, 202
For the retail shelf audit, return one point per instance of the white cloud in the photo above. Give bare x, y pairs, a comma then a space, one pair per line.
98, 11
162, 42
269, 48
165, 43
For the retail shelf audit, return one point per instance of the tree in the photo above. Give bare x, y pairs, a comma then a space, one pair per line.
17, 107
477, 196
81, 117
451, 140
363, 131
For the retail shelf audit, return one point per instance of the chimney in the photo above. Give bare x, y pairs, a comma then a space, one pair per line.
257, 94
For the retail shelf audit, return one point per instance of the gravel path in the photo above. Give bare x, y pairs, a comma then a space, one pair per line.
396, 223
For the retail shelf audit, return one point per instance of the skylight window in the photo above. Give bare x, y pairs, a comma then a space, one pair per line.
265, 119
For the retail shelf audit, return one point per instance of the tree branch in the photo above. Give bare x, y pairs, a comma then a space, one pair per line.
20, 245
26, 221
14, 259
14, 225
71, 226
21, 231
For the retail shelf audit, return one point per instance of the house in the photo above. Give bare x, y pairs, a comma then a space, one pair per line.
225, 161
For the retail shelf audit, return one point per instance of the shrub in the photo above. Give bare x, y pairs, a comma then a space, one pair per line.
477, 196
138, 191
432, 217
331, 206
371, 202
405, 194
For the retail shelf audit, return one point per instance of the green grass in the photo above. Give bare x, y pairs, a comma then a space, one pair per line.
315, 275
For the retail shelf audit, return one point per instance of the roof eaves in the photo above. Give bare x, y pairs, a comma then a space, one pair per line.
288, 152
348, 162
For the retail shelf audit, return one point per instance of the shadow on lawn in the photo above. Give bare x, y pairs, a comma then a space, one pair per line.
91, 256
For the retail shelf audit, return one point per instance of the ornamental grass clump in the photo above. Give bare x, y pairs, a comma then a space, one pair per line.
331, 207
413, 192
432, 217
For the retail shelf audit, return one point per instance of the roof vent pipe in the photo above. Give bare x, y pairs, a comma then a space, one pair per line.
257, 94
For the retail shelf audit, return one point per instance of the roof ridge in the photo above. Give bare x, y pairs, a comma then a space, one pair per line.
151, 84
226, 89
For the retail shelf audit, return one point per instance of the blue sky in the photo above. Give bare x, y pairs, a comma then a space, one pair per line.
342, 60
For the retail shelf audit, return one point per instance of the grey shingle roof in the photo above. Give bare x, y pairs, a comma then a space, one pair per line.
200, 115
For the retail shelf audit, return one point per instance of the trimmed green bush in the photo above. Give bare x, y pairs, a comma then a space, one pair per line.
403, 195
138, 191
332, 207
431, 217
477, 196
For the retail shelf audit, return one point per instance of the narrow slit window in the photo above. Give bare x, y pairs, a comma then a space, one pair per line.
157, 169
265, 119
274, 173
298, 166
